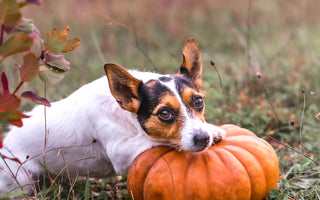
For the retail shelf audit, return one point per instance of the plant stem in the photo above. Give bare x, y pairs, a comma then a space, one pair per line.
18, 87
301, 120
1, 34
248, 38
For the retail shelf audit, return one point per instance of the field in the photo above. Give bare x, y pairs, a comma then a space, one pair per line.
266, 53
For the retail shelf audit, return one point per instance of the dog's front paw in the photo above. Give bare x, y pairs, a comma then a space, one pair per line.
220, 135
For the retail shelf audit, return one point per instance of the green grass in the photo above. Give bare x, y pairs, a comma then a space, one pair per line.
278, 39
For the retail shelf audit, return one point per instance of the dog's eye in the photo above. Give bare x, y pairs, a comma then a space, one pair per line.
198, 103
165, 115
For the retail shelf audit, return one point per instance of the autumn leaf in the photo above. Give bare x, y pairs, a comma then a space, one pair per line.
7, 101
12, 115
14, 159
57, 61
9, 12
18, 42
5, 84
57, 41
71, 45
35, 98
29, 69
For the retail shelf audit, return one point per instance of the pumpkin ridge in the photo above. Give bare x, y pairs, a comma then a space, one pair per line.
138, 160
171, 177
220, 155
239, 158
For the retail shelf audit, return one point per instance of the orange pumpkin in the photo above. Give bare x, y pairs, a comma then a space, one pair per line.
241, 166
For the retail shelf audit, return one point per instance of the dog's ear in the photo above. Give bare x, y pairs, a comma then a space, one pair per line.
191, 65
123, 86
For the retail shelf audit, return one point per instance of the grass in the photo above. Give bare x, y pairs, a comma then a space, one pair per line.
277, 39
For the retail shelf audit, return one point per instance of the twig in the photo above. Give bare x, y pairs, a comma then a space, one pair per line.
301, 119
235, 109
1, 34
248, 38
267, 97
138, 44
18, 87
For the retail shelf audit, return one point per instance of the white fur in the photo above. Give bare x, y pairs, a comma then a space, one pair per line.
90, 113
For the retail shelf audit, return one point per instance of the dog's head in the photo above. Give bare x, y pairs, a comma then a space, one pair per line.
170, 109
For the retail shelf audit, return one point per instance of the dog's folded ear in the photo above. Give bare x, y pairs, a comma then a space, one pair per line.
191, 65
123, 86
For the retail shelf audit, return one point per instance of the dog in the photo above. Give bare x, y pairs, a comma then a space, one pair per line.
101, 127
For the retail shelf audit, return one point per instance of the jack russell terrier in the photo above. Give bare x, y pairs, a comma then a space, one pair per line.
104, 125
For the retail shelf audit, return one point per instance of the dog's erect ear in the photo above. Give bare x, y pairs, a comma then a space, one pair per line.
123, 86
191, 65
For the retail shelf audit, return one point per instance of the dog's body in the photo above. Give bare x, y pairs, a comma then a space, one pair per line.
104, 125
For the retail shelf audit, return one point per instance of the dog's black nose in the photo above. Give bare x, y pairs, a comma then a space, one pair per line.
201, 140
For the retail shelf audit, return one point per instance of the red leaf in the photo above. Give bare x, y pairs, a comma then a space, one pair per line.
9, 102
13, 159
5, 85
33, 97
1, 144
17, 122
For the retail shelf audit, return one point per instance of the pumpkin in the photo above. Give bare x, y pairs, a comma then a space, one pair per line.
241, 166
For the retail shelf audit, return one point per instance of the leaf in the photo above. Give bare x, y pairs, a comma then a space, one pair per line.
57, 41
4, 82
9, 102
30, 67
24, 26
9, 12
18, 42
71, 45
16, 122
87, 189
35, 98
37, 2
1, 144
12, 115
50, 75
57, 61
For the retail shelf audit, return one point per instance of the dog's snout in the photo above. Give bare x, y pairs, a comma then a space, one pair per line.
201, 140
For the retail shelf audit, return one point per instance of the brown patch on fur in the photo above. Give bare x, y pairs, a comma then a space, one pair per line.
192, 64
159, 129
188, 95
151, 83
123, 86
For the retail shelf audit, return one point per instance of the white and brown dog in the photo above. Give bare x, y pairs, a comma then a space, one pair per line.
104, 125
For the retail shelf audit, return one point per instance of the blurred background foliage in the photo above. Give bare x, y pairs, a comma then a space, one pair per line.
267, 54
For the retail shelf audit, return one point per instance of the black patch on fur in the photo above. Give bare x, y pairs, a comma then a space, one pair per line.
149, 98
165, 78
182, 82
